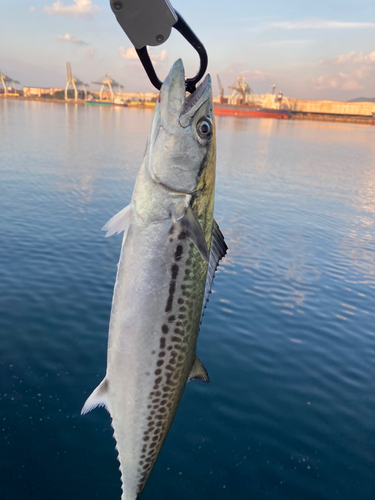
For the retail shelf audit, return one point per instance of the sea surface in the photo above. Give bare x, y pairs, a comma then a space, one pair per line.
288, 337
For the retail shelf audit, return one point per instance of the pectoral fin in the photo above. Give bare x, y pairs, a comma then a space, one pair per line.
198, 371
99, 397
195, 233
119, 222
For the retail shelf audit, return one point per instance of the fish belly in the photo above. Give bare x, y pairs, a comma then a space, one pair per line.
153, 332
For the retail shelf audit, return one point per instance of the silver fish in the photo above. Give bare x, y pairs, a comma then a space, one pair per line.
170, 251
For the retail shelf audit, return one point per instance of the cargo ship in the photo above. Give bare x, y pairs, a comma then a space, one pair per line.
243, 102
250, 111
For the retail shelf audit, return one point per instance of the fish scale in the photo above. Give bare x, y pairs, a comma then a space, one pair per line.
162, 280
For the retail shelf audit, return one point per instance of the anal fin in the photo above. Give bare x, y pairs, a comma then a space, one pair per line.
198, 371
99, 397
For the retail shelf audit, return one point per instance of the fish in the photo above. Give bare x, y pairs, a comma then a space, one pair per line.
170, 251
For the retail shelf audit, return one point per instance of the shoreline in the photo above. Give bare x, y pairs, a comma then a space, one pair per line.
295, 115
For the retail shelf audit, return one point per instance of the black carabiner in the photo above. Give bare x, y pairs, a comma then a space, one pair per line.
190, 36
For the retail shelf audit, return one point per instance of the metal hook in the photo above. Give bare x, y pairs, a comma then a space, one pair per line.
190, 36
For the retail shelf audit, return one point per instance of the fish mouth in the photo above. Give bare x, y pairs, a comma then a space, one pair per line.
196, 97
173, 99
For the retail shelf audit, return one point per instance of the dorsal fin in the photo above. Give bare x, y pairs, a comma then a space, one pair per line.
218, 250
198, 371
119, 222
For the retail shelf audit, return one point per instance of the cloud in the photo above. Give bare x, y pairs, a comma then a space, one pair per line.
80, 8
163, 56
319, 24
90, 53
343, 81
32, 9
354, 58
256, 75
340, 81
251, 75
71, 39
131, 55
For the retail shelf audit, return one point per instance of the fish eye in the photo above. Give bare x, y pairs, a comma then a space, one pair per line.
204, 128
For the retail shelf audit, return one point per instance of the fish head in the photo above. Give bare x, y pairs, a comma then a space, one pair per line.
182, 134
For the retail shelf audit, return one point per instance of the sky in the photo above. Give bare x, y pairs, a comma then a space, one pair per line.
310, 50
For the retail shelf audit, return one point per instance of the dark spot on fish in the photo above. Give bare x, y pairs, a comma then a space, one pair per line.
160, 363
149, 406
152, 445
180, 358
153, 352
162, 343
180, 301
191, 245
141, 462
175, 339
181, 316
171, 319
146, 438
178, 252
177, 330
188, 262
158, 371
182, 308
158, 380
161, 354
174, 270
182, 235
164, 329
146, 466
147, 374
171, 231
156, 386
170, 348
171, 240
154, 401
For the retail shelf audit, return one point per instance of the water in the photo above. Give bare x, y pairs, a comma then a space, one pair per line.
288, 336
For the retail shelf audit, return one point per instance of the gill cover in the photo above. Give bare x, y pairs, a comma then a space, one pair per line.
181, 133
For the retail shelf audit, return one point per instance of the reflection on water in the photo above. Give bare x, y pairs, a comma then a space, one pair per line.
288, 336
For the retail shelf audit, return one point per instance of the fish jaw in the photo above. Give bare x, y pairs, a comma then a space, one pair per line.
175, 149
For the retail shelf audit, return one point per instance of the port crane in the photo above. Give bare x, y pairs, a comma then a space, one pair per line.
241, 92
221, 89
74, 82
6, 81
107, 81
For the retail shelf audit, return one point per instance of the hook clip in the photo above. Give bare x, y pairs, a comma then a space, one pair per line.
149, 22
194, 41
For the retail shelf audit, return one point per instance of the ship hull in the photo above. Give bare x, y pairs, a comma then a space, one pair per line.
250, 112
